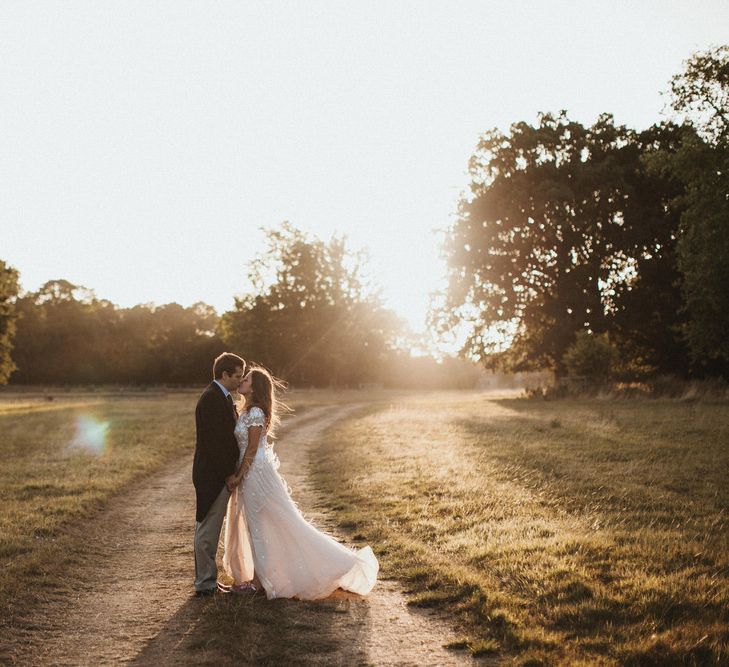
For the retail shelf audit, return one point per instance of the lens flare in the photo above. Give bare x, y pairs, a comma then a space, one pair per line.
90, 434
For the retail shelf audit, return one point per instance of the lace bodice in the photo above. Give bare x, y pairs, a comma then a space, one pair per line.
248, 418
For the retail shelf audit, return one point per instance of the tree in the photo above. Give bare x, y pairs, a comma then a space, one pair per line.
60, 334
180, 343
701, 94
591, 356
308, 315
66, 335
8, 295
564, 230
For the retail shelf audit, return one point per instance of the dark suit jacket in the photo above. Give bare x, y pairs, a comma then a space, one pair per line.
216, 449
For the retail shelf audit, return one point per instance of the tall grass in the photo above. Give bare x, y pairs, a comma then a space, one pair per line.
575, 532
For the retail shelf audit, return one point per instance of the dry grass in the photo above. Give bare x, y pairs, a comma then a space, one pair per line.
62, 460
572, 532
578, 532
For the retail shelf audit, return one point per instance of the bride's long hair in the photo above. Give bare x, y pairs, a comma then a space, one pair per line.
265, 391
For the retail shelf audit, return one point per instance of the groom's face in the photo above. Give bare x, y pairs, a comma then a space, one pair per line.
232, 382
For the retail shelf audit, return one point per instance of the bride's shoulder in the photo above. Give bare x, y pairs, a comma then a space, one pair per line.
256, 416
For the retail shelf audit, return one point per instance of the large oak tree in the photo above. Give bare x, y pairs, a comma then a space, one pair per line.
565, 229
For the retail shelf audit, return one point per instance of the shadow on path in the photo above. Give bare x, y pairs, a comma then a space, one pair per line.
233, 629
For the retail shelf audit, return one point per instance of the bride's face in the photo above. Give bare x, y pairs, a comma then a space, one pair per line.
245, 385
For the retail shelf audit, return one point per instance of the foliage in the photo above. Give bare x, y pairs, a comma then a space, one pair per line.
8, 294
313, 326
309, 317
591, 356
604, 229
701, 92
66, 335
703, 250
565, 229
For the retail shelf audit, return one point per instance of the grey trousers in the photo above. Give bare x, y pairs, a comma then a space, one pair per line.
207, 536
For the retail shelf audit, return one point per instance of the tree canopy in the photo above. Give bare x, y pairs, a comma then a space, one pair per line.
8, 294
66, 335
308, 315
603, 230
564, 230
701, 95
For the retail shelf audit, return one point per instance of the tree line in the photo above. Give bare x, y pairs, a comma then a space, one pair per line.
308, 316
599, 249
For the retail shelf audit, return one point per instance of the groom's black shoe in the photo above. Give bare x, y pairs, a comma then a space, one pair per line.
205, 593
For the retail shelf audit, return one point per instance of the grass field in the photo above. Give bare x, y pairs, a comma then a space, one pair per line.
60, 462
63, 459
561, 532
570, 532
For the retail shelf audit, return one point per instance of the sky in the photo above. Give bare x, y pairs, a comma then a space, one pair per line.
145, 145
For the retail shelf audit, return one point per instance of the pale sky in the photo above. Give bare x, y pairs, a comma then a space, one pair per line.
143, 144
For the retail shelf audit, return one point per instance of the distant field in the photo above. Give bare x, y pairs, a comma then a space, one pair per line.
571, 532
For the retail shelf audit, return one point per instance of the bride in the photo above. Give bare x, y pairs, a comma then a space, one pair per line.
266, 536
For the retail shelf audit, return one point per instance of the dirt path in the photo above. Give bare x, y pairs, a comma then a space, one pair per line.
131, 599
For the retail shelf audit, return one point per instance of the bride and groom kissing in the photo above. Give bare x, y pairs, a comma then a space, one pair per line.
268, 543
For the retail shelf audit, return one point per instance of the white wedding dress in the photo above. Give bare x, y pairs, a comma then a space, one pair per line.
266, 534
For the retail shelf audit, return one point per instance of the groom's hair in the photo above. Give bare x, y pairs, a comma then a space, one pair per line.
227, 362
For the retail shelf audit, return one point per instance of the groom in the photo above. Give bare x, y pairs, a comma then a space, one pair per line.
216, 456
